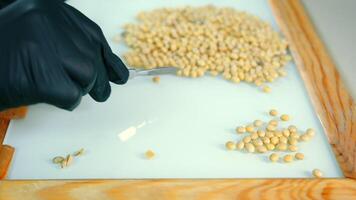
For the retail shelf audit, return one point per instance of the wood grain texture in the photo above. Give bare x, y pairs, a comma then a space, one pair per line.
6, 153
14, 113
332, 102
181, 189
4, 124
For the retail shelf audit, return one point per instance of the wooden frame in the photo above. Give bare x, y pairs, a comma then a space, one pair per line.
334, 105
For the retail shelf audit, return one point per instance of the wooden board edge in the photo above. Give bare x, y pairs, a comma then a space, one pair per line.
4, 124
276, 189
331, 100
6, 154
14, 113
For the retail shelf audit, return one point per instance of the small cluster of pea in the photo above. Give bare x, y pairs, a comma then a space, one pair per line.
266, 137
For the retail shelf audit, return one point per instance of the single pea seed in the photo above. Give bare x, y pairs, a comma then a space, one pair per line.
293, 141
156, 79
271, 128
269, 134
317, 173
149, 154
230, 145
284, 117
254, 135
266, 140
292, 148
270, 146
294, 135
283, 140
240, 129
286, 132
274, 140
258, 123
266, 89
278, 133
257, 142
273, 122
273, 112
250, 129
261, 133
247, 139
240, 145
261, 149
274, 157
304, 138
288, 158
250, 148
299, 156
282, 147
310, 132
292, 129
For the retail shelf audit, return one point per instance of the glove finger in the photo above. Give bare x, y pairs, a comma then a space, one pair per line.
101, 89
116, 69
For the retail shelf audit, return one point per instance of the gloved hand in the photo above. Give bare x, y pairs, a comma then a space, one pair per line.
51, 53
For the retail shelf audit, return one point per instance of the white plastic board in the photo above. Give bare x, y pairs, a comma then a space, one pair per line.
186, 122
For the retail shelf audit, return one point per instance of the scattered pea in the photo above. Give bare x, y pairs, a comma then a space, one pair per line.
261, 149
156, 79
270, 146
257, 123
250, 129
310, 132
250, 148
254, 135
288, 158
293, 148
299, 156
273, 112
261, 133
282, 146
229, 145
247, 139
285, 117
274, 157
149, 154
240, 145
240, 129
317, 173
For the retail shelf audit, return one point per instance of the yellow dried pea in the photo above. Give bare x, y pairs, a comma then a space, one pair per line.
273, 122
254, 135
149, 154
310, 132
274, 157
288, 158
240, 145
247, 139
258, 123
250, 148
273, 112
261, 133
266, 89
299, 156
270, 146
261, 149
304, 138
282, 147
293, 148
250, 128
240, 129
292, 129
156, 79
230, 145
317, 173
284, 117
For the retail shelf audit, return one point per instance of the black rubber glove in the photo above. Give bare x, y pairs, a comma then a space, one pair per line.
51, 53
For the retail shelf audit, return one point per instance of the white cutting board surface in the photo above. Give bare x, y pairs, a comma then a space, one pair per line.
188, 121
